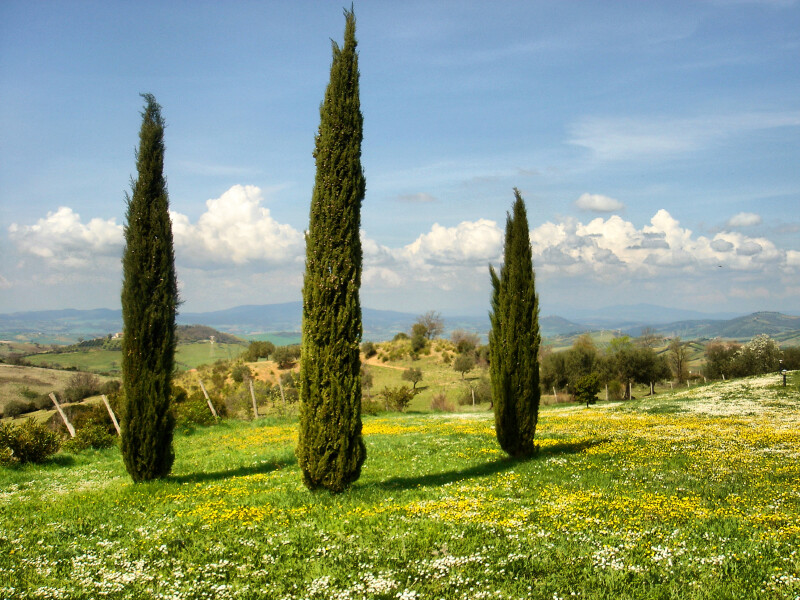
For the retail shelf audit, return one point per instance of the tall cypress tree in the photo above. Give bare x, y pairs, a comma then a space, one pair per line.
331, 449
149, 303
514, 339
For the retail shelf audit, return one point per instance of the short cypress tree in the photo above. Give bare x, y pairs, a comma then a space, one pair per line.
331, 449
149, 303
514, 339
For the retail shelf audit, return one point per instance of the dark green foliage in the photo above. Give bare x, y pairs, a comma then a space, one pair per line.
418, 342
258, 349
587, 388
331, 450
285, 356
369, 349
791, 358
149, 303
241, 373
29, 442
15, 408
514, 339
464, 363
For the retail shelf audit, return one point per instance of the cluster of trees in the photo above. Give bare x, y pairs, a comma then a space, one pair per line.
583, 367
760, 355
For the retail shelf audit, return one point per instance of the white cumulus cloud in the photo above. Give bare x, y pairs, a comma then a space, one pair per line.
598, 203
469, 243
235, 229
61, 239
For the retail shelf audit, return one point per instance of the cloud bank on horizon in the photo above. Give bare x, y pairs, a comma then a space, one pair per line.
237, 241
656, 146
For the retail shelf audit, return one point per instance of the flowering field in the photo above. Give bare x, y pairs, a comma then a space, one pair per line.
686, 495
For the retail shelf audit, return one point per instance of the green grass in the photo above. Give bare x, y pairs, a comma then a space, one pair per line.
622, 501
99, 360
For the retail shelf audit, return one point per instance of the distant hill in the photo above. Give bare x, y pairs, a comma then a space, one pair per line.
67, 326
741, 328
197, 333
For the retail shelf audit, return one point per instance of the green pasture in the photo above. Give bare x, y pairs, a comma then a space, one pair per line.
99, 360
691, 494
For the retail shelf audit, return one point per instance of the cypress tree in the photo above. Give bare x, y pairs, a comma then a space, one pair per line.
149, 303
514, 339
331, 449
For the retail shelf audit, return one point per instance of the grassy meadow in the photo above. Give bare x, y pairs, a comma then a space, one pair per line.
99, 360
689, 494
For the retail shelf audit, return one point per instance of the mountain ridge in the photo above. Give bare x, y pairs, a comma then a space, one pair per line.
379, 325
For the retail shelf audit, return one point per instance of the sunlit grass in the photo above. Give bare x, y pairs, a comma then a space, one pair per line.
622, 501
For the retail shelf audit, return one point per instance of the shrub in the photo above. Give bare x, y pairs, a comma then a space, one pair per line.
194, 411
286, 356
400, 336
465, 341
81, 385
615, 390
369, 349
369, 406
92, 435
439, 403
482, 391
111, 387
397, 398
418, 342
240, 373
29, 442
15, 408
446, 358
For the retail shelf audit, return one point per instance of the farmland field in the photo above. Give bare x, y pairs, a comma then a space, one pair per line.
691, 494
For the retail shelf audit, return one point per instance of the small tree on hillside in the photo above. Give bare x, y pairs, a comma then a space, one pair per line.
431, 325
587, 388
330, 448
464, 363
678, 356
514, 339
413, 375
149, 304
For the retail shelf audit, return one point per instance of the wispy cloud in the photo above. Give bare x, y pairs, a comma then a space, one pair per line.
618, 138
744, 219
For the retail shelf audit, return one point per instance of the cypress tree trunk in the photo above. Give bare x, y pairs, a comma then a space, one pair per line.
331, 449
149, 303
514, 339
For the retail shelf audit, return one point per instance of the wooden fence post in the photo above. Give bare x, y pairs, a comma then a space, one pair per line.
70, 428
253, 396
111, 414
205, 393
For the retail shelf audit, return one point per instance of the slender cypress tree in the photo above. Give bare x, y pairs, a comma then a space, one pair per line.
331, 449
514, 339
149, 302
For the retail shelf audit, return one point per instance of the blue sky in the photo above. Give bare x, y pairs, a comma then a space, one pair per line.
656, 146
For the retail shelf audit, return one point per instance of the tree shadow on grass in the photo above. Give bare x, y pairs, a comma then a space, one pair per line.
265, 467
487, 469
